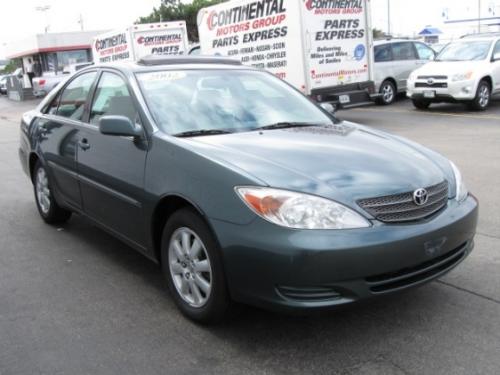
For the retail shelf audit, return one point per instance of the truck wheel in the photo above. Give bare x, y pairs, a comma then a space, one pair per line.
421, 104
192, 265
483, 97
47, 206
388, 91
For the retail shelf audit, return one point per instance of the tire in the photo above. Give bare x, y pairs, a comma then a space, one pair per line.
483, 97
49, 209
195, 278
388, 91
421, 104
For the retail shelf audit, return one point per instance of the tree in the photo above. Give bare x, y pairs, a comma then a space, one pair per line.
175, 10
10, 67
378, 34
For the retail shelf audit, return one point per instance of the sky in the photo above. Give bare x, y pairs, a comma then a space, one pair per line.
408, 17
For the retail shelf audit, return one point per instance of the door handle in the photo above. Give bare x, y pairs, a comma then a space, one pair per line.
84, 144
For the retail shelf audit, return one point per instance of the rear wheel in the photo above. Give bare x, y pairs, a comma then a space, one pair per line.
483, 97
192, 265
47, 206
388, 91
420, 103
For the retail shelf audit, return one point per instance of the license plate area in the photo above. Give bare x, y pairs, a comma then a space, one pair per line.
344, 99
429, 94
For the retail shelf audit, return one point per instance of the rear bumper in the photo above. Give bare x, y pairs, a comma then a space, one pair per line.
358, 94
290, 270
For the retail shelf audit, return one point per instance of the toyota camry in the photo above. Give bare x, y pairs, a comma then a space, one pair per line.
242, 188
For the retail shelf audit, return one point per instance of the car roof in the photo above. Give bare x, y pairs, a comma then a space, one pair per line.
387, 41
155, 63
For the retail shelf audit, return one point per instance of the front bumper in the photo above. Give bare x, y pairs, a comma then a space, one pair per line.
455, 92
292, 270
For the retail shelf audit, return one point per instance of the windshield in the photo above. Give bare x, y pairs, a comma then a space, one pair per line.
465, 51
224, 100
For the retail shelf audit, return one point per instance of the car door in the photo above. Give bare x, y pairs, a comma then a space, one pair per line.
57, 138
404, 56
496, 68
383, 63
424, 54
111, 168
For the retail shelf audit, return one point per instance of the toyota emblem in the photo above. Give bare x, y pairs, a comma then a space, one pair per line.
420, 197
430, 81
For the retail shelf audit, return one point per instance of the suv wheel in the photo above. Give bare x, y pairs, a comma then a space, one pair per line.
47, 206
192, 265
421, 104
483, 97
388, 91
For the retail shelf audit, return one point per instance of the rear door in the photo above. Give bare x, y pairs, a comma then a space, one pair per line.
111, 168
405, 57
58, 136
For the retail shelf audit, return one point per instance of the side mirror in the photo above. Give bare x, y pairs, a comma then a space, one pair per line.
329, 107
496, 56
119, 125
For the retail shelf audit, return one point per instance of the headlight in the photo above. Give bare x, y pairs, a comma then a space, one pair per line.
412, 77
461, 190
299, 211
462, 77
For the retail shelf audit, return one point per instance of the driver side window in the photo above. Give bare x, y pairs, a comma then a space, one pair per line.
112, 97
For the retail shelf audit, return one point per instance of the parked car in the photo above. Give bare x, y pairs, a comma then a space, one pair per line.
44, 84
242, 188
395, 59
3, 85
466, 71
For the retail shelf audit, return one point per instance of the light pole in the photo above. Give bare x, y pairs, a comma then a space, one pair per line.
44, 10
388, 17
479, 16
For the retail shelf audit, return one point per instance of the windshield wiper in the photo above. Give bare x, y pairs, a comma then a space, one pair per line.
285, 125
198, 133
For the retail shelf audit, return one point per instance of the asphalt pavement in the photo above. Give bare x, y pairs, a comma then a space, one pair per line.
74, 300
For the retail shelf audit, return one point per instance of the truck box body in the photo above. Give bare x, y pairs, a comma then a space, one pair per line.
323, 48
137, 41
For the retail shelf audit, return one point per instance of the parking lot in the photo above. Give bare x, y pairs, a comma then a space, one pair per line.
74, 300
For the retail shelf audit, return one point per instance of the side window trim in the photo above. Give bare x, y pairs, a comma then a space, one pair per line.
59, 94
94, 91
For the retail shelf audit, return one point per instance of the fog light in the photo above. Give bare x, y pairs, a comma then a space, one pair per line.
466, 89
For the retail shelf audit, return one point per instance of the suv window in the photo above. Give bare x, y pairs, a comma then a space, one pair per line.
424, 52
497, 48
112, 98
74, 96
383, 53
403, 51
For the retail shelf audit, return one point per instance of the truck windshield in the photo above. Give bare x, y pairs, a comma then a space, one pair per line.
465, 51
223, 101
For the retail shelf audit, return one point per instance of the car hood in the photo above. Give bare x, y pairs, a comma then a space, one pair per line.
344, 162
448, 68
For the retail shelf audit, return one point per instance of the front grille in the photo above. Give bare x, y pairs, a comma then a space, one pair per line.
401, 207
389, 282
433, 77
438, 85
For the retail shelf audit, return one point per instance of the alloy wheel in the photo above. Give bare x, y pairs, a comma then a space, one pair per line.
388, 93
43, 190
484, 96
190, 267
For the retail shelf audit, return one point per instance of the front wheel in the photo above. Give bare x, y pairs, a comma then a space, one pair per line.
421, 104
47, 206
388, 91
192, 265
483, 97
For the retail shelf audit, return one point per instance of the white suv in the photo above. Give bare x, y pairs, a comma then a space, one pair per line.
465, 71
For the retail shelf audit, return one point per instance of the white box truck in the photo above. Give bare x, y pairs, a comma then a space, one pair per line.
137, 41
322, 47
